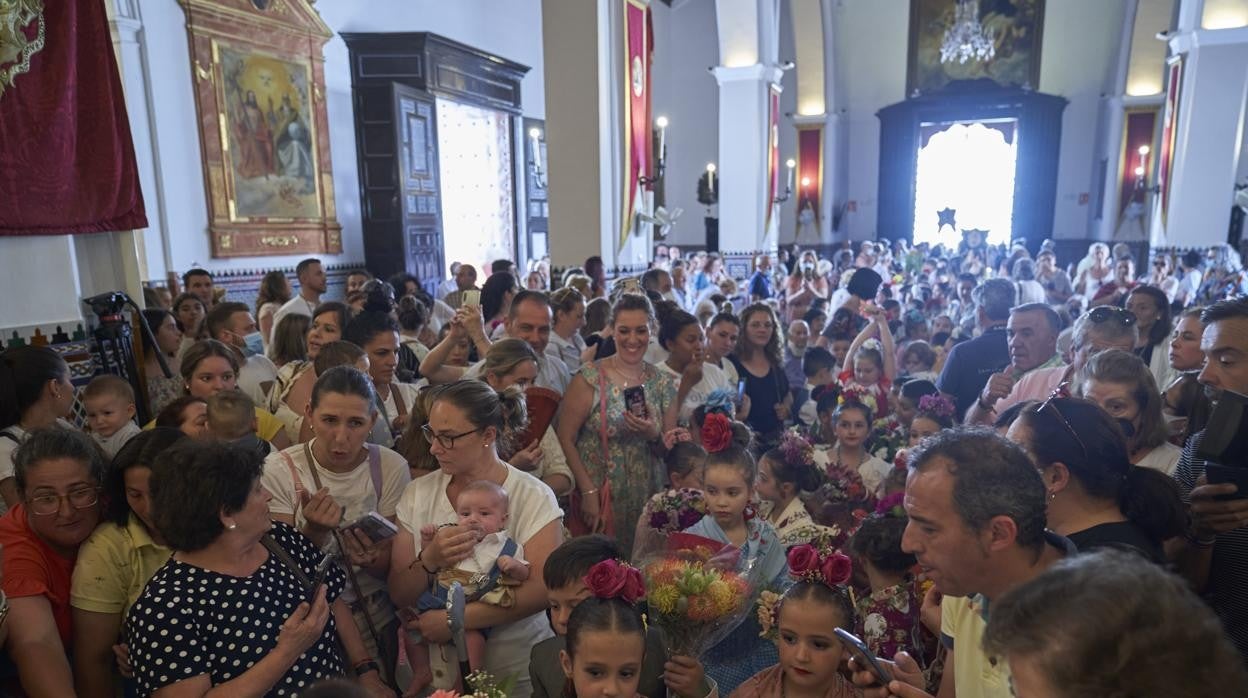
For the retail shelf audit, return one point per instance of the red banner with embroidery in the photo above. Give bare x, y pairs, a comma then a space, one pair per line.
810, 175
773, 152
639, 47
66, 156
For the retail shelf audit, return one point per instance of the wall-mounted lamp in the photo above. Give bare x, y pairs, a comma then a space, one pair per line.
661, 166
791, 164
539, 169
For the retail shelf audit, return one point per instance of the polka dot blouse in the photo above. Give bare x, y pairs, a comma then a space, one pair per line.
190, 621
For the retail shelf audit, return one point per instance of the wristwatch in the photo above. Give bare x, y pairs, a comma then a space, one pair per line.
362, 668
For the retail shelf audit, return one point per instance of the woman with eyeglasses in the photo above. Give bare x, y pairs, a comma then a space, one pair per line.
467, 421
115, 563
1123, 386
1151, 309
1097, 498
58, 473
337, 478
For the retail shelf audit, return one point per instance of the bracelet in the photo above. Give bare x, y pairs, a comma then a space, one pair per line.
364, 666
418, 561
1201, 542
586, 493
987, 408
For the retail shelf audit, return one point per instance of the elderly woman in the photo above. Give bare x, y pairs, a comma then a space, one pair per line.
116, 562
337, 477
35, 392
466, 421
58, 474
209, 367
234, 612
1123, 386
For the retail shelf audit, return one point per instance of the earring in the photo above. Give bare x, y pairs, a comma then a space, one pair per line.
1052, 495
232, 526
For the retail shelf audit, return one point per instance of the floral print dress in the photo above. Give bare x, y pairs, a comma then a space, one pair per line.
626, 461
889, 623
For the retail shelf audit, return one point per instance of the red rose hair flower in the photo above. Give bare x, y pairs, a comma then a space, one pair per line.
808, 564
612, 579
716, 432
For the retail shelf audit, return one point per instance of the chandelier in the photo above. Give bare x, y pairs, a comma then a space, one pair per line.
966, 39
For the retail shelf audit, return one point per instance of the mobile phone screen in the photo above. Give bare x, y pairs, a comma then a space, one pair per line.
863, 655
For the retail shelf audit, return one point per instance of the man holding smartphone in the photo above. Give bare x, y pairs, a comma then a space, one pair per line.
977, 526
1214, 554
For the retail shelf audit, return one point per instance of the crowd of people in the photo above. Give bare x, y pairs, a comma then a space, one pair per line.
936, 471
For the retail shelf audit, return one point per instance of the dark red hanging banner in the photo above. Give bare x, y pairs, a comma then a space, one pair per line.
66, 157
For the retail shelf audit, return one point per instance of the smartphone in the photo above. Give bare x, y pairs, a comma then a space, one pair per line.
635, 401
863, 655
471, 297
632, 285
1217, 474
375, 526
740, 392
322, 569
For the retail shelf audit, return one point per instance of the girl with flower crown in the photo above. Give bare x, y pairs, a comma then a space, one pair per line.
934, 414
606, 640
852, 420
889, 619
728, 483
874, 362
784, 473
801, 623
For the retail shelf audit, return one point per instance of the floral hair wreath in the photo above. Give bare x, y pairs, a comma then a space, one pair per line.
938, 405
716, 432
796, 449
615, 579
892, 506
722, 401
810, 563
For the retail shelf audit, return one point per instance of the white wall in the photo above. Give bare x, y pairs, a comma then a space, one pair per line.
509, 29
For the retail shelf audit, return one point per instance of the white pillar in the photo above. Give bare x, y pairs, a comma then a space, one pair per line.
1207, 142
583, 47
741, 178
1113, 121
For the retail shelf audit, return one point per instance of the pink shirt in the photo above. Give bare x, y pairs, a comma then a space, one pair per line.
1034, 385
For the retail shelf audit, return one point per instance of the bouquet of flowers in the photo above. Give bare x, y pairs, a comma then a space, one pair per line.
666, 513
483, 685
695, 594
887, 438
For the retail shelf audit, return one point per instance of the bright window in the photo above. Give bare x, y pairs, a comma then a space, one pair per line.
478, 201
966, 169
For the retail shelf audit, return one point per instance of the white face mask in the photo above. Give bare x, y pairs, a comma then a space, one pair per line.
669, 295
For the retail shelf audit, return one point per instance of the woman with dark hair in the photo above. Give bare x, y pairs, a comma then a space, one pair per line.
116, 562
58, 473
613, 444
336, 478
190, 312
35, 393
233, 611
722, 333
597, 273
161, 390
1056, 630
292, 389
1152, 318
1097, 498
290, 340
377, 334
209, 367
273, 294
467, 419
1185, 354
759, 363
1122, 385
496, 295
685, 342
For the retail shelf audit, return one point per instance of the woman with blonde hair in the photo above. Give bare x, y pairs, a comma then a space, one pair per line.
1094, 270
568, 306
1123, 386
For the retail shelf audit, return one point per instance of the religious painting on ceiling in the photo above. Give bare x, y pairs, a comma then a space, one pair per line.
259, 89
1015, 27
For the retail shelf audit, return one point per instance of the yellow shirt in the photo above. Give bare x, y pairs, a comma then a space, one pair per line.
267, 426
962, 626
113, 566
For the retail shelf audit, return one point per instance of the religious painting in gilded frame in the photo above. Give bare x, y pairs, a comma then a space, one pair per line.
259, 89
1016, 27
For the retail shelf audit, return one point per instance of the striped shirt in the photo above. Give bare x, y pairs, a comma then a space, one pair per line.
1227, 589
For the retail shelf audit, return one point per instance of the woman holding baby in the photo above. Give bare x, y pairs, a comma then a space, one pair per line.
467, 419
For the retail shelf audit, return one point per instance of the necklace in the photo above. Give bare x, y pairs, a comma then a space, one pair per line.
615, 366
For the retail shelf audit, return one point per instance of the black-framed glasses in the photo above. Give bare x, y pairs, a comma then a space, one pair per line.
446, 441
1047, 405
1110, 313
50, 504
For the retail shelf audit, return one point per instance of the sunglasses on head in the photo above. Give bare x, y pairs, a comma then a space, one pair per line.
1048, 407
1107, 313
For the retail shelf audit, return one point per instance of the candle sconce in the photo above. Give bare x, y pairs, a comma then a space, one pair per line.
661, 167
539, 169
791, 164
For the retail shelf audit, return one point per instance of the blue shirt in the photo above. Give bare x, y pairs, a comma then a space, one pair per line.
760, 285
970, 364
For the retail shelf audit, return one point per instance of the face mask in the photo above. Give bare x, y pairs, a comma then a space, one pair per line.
253, 344
807, 266
669, 295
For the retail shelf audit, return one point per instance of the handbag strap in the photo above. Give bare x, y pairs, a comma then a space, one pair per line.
337, 534
276, 550
602, 408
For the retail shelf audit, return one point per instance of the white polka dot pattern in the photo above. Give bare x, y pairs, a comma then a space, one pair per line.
190, 621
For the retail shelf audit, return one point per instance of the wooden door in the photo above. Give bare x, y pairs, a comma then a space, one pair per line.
416, 140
